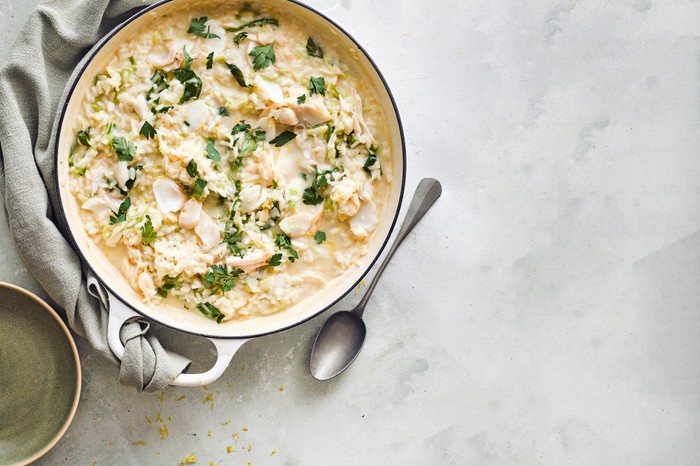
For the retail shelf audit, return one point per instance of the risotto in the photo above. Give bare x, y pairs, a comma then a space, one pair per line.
227, 161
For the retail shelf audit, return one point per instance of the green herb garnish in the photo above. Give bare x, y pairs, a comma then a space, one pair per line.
120, 215
242, 126
210, 60
220, 278
192, 83
148, 234
125, 148
320, 237
301, 99
317, 85
237, 73
197, 28
239, 37
212, 152
147, 130
284, 242
192, 169
371, 160
283, 138
313, 49
198, 188
210, 311
263, 56
257, 22
223, 111
84, 137
275, 260
168, 284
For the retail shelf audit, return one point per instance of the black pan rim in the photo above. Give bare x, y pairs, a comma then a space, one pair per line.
86, 262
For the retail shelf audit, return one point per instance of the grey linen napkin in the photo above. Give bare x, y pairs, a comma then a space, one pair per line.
33, 86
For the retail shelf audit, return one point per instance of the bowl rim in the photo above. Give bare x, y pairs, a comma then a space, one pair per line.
76, 358
85, 260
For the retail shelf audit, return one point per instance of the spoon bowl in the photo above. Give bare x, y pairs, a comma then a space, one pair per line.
338, 345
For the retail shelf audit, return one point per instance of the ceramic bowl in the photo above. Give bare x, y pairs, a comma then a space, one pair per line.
39, 376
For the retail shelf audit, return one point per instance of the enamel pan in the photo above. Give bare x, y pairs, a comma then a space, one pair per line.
125, 303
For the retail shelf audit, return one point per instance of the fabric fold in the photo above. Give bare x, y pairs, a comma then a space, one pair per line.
34, 83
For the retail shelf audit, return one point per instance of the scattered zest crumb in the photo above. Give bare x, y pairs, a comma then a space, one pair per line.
245, 429
148, 420
157, 453
161, 397
209, 397
180, 398
139, 442
281, 389
206, 389
163, 432
225, 423
273, 452
110, 444
209, 433
158, 418
229, 449
250, 447
189, 459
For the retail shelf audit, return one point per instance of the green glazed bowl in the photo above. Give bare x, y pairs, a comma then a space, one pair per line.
39, 376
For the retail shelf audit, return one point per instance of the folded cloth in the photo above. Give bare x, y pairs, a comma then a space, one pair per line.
33, 87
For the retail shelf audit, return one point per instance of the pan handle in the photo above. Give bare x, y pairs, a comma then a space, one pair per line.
119, 313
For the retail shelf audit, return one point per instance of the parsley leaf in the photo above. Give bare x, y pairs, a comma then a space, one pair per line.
220, 278
168, 284
159, 83
197, 28
210, 311
125, 149
163, 109
188, 59
120, 215
238, 74
223, 111
192, 83
283, 138
210, 60
313, 49
312, 195
301, 99
148, 235
254, 23
148, 131
371, 160
275, 260
84, 137
239, 37
317, 85
248, 144
212, 152
320, 237
263, 56
242, 126
198, 188
192, 169
284, 242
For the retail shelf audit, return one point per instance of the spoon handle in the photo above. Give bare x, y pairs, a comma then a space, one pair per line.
427, 192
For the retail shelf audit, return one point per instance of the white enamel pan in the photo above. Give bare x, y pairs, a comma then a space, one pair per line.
125, 303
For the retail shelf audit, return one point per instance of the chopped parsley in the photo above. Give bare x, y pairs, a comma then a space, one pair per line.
220, 278
120, 215
125, 148
210, 311
223, 111
283, 138
242, 126
247, 144
163, 109
188, 59
197, 28
275, 260
212, 152
84, 137
192, 169
168, 284
192, 83
313, 49
371, 160
148, 234
210, 60
263, 56
147, 130
284, 242
198, 188
239, 37
317, 85
238, 74
301, 99
254, 23
320, 237
312, 195
159, 82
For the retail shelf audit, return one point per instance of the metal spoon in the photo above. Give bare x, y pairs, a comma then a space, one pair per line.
340, 339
